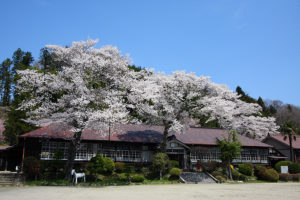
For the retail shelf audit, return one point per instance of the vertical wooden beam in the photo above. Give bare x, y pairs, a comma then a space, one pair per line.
23, 154
109, 131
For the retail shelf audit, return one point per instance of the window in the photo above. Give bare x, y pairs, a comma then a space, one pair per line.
50, 148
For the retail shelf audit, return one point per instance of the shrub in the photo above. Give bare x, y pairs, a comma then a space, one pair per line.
236, 175
120, 167
210, 166
173, 163
100, 177
160, 162
243, 177
123, 177
245, 169
221, 179
250, 164
282, 163
294, 168
145, 171
100, 165
257, 169
108, 166
175, 172
269, 175
137, 178
217, 173
31, 167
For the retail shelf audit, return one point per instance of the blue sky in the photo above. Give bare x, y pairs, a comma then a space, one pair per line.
254, 44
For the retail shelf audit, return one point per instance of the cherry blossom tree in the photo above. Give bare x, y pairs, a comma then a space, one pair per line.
87, 92
169, 100
174, 100
223, 104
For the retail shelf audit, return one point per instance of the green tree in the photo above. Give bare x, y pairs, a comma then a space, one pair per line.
289, 130
244, 97
230, 148
5, 82
160, 163
47, 63
15, 124
265, 111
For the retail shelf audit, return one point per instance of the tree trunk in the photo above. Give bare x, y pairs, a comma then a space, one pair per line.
74, 143
167, 126
229, 170
160, 174
291, 148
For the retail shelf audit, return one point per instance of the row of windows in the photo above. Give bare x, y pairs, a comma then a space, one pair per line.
213, 154
87, 150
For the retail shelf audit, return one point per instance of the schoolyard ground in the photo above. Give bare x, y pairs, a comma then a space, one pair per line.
250, 191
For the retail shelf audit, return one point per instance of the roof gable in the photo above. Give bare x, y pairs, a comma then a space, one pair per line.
280, 138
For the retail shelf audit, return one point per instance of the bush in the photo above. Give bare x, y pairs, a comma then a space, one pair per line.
257, 169
245, 169
282, 163
269, 175
52, 169
31, 167
210, 166
123, 177
294, 168
100, 177
159, 163
175, 172
100, 165
173, 163
108, 166
217, 173
250, 164
221, 179
128, 169
120, 167
236, 175
243, 177
137, 179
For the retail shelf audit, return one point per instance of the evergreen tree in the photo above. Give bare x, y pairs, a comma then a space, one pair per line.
5, 81
244, 97
15, 124
47, 63
265, 110
272, 110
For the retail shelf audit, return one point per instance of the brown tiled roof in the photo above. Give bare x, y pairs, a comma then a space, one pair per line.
207, 136
280, 138
141, 133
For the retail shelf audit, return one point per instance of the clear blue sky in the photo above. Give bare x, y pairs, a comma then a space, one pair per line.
254, 43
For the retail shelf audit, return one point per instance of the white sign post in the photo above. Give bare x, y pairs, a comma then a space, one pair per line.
284, 169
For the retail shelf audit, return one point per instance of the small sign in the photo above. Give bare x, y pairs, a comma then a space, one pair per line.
284, 169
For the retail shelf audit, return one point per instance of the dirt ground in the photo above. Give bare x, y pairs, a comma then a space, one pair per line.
253, 191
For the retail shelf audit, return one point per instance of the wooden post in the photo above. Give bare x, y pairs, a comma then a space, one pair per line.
23, 154
109, 131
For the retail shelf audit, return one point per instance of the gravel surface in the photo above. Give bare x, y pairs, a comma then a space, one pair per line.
252, 191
